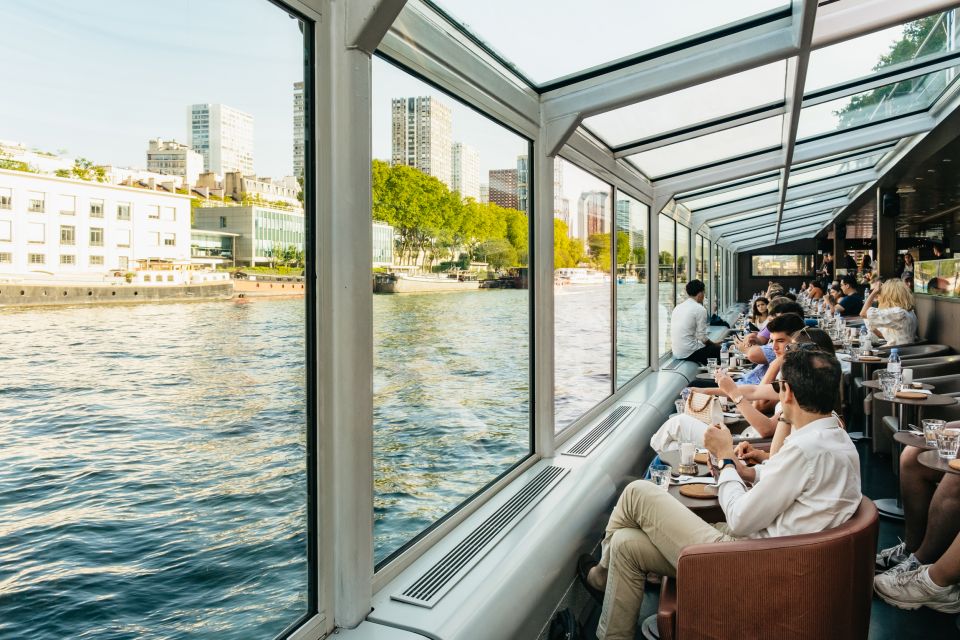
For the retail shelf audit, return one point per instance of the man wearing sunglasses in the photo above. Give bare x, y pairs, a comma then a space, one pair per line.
812, 484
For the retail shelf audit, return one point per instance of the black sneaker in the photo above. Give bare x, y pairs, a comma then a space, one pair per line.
584, 564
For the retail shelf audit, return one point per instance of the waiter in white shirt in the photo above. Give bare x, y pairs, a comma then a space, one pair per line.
811, 484
688, 327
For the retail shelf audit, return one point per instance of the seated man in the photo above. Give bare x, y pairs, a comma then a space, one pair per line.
688, 327
684, 428
852, 301
931, 512
777, 307
934, 585
812, 484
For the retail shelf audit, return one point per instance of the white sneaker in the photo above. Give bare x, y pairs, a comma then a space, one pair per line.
891, 557
915, 589
910, 564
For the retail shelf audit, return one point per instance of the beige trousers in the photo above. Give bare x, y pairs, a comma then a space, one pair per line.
646, 532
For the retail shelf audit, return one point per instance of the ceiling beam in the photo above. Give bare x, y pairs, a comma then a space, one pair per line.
368, 21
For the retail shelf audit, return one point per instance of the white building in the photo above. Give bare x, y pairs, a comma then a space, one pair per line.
421, 130
38, 160
298, 130
465, 170
260, 230
173, 158
66, 226
223, 136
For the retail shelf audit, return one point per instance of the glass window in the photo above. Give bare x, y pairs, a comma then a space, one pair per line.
169, 239
36, 232
866, 55
153, 212
781, 265
766, 187
811, 174
154, 238
6, 198
890, 101
67, 235
633, 290
583, 297
6, 257
667, 279
717, 252
67, 259
688, 107
534, 52
169, 214
123, 211
722, 145
123, 237
701, 263
35, 202
186, 518
6, 231
68, 205
683, 261
452, 407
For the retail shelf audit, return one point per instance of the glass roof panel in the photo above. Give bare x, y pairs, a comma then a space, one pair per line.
847, 166
728, 185
720, 145
681, 109
566, 39
876, 105
820, 197
770, 186
755, 213
864, 56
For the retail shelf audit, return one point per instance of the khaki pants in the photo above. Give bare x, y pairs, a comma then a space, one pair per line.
646, 532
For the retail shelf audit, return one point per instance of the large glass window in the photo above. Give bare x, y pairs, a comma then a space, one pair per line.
451, 317
666, 279
717, 252
154, 465
683, 261
633, 290
582, 296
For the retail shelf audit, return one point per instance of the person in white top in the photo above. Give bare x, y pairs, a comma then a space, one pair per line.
812, 484
893, 319
688, 327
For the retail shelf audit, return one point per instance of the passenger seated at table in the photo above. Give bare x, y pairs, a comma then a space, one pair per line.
778, 306
851, 302
816, 290
759, 314
893, 319
931, 515
935, 585
812, 484
688, 327
684, 428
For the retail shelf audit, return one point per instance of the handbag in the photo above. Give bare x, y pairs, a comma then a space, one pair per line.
704, 407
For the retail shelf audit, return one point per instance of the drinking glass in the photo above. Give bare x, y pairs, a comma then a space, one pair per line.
930, 430
888, 384
907, 377
679, 404
660, 474
712, 365
947, 443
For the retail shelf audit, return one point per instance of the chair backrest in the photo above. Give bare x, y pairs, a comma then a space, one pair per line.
921, 350
911, 361
816, 585
933, 369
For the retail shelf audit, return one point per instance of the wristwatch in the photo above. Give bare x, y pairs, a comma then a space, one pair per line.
725, 462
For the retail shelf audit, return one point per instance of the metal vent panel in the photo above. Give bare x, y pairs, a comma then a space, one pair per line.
595, 436
436, 581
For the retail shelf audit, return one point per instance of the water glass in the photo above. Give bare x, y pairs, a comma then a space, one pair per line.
679, 404
930, 430
947, 443
888, 384
660, 474
712, 364
907, 377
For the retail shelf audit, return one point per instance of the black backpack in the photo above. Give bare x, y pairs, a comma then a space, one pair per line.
564, 626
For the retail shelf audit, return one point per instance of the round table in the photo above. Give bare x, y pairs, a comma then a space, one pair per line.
866, 373
910, 439
875, 385
707, 508
932, 460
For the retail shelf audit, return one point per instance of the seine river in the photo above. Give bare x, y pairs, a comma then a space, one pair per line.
152, 456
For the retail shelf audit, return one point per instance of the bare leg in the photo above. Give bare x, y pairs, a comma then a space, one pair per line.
944, 521
917, 485
946, 570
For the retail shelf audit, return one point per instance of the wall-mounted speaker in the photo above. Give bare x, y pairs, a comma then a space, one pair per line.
890, 204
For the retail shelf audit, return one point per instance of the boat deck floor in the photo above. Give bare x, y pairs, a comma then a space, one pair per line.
886, 622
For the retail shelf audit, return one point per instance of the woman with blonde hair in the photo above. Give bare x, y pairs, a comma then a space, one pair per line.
893, 319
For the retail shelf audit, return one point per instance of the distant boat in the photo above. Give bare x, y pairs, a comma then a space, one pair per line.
400, 283
580, 276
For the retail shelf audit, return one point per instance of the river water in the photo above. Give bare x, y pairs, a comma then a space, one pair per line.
152, 457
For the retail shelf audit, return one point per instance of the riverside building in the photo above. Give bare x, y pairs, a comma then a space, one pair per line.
261, 230
63, 226
169, 157
421, 130
223, 136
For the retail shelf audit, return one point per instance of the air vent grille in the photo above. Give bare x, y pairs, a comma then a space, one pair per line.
436, 581
595, 436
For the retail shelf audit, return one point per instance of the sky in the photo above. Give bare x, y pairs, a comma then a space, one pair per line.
99, 78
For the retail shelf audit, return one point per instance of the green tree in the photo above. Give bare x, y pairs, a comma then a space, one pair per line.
567, 251
498, 253
624, 254
7, 162
599, 246
84, 169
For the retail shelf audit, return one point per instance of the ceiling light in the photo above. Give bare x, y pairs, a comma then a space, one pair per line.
907, 188
931, 170
947, 160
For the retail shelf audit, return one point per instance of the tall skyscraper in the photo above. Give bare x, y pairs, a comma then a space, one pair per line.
484, 192
591, 216
630, 220
421, 136
465, 172
298, 130
223, 136
503, 187
522, 182
561, 204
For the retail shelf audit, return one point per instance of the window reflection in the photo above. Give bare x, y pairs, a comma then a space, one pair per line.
582, 295
667, 278
633, 302
451, 300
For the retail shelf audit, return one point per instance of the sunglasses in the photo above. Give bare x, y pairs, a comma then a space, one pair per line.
776, 385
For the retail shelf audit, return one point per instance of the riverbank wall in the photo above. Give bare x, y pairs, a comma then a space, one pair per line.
13, 294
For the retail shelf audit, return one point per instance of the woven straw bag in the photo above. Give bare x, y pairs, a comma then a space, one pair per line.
704, 407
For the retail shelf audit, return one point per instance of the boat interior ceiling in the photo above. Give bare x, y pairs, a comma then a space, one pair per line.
467, 414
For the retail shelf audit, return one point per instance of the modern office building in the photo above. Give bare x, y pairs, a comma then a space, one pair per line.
169, 157
52, 225
298, 130
484, 192
522, 165
591, 214
503, 187
421, 136
213, 248
223, 136
465, 170
261, 230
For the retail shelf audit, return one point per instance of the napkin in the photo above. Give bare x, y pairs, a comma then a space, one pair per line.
925, 392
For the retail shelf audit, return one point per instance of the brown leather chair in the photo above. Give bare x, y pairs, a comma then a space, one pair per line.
811, 586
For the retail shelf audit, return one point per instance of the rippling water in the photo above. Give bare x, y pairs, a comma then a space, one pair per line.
152, 462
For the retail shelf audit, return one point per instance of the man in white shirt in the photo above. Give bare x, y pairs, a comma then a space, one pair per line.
811, 484
688, 327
